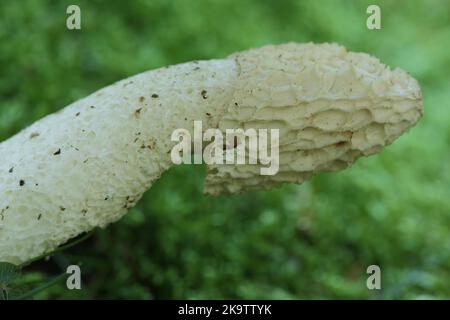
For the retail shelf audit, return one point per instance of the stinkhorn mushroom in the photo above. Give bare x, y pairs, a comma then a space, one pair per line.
85, 166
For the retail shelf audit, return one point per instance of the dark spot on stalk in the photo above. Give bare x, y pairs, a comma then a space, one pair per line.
21, 183
39, 216
204, 94
155, 95
62, 208
151, 144
58, 152
77, 114
11, 170
137, 112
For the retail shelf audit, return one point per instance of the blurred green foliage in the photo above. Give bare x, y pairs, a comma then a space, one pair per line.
309, 241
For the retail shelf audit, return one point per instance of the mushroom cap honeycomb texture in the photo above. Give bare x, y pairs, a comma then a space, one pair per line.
86, 165
330, 106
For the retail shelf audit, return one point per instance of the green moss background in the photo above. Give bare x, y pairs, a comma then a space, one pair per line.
297, 242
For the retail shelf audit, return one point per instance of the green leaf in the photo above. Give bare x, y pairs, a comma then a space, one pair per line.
48, 284
8, 273
3, 294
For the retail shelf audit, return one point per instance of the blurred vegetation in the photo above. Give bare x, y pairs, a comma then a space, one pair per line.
309, 241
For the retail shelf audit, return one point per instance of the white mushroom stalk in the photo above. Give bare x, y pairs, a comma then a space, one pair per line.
86, 165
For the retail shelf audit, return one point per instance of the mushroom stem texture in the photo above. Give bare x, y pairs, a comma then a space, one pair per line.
86, 165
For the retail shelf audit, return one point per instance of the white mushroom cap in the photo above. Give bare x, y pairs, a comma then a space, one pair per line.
330, 105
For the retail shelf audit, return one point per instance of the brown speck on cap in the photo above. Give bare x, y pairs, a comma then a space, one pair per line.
155, 95
141, 98
208, 114
127, 83
137, 112
34, 135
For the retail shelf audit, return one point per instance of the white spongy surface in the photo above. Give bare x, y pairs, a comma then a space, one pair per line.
86, 165
329, 105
